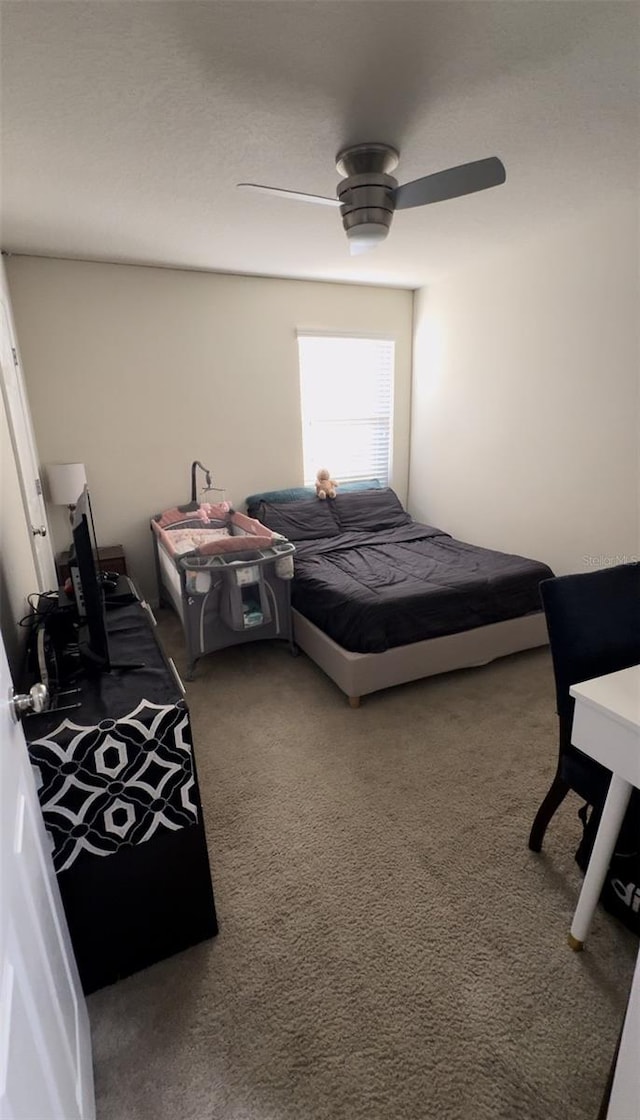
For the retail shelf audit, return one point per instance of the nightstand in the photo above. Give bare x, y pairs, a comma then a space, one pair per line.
111, 558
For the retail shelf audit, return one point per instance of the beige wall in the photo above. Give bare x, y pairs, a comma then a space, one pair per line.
138, 371
525, 425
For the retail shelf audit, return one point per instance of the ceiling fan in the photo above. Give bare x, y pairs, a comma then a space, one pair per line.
368, 194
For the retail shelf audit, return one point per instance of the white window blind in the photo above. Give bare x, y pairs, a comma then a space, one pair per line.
346, 387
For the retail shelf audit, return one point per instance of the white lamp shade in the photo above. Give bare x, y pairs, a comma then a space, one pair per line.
66, 482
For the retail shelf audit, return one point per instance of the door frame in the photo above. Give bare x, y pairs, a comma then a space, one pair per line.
24, 446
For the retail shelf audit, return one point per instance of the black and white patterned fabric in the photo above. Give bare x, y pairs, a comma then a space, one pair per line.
117, 782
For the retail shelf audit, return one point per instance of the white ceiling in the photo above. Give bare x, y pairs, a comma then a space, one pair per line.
126, 125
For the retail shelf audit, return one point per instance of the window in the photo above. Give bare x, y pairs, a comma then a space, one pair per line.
346, 385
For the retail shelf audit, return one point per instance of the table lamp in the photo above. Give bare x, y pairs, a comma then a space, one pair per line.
66, 483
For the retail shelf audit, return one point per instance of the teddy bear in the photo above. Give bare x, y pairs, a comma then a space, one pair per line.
325, 485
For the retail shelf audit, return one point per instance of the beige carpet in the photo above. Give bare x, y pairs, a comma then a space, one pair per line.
389, 948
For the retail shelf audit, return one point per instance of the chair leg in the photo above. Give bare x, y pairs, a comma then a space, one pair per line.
556, 795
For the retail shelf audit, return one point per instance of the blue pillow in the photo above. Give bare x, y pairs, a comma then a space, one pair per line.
299, 493
293, 494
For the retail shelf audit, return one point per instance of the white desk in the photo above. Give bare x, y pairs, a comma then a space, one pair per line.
606, 726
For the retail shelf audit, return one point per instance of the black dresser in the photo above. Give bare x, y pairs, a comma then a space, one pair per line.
118, 786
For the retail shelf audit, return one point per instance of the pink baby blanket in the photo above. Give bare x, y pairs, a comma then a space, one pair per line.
219, 529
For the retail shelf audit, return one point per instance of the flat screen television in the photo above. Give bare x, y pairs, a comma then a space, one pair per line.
93, 639
89, 592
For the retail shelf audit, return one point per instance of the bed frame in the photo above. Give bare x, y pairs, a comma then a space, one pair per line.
358, 674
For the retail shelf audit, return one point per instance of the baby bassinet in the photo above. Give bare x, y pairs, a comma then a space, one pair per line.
226, 575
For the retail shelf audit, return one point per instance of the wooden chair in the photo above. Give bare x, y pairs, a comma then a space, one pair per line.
593, 620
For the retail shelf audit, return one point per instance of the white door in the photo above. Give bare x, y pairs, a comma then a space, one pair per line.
19, 420
45, 1045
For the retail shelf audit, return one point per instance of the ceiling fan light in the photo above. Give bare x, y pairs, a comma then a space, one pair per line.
364, 237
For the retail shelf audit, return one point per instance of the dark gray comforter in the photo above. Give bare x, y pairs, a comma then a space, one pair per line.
371, 591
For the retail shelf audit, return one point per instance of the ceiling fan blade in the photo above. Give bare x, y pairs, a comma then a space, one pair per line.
452, 183
299, 196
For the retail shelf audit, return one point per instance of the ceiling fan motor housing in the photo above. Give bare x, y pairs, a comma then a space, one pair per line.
367, 199
366, 194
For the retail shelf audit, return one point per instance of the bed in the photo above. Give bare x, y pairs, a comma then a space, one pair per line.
379, 599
